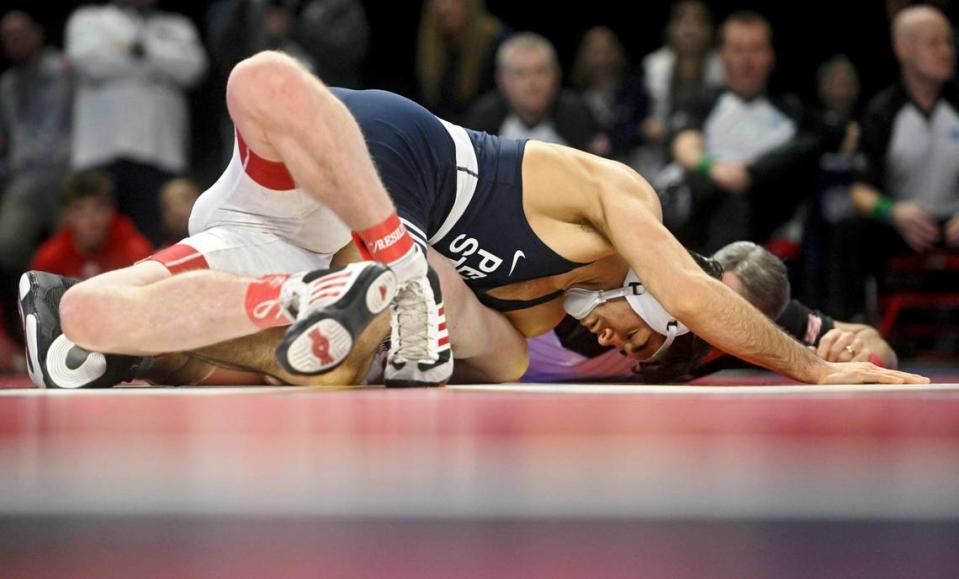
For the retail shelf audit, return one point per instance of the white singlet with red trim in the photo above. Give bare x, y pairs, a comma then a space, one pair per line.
293, 214
241, 225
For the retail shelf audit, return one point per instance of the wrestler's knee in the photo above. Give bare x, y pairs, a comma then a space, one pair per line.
84, 317
93, 313
512, 368
267, 84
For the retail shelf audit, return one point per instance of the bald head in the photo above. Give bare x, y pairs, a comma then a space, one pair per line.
922, 40
913, 21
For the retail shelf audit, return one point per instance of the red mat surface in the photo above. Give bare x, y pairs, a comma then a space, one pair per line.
562, 482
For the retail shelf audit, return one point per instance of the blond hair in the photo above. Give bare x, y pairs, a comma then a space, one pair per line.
582, 74
476, 44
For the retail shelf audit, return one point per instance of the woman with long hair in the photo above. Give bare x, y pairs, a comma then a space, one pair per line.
455, 56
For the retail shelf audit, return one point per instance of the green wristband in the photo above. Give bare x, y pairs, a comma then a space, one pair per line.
704, 165
882, 210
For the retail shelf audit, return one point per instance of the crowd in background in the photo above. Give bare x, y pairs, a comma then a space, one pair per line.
95, 136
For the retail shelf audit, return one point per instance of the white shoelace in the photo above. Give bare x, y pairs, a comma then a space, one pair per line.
411, 318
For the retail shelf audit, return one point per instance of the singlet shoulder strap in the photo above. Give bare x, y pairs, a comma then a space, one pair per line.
502, 305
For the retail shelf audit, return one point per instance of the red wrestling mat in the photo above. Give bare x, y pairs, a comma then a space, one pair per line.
550, 481
14, 381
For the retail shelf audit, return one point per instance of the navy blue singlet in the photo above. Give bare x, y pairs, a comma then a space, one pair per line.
458, 190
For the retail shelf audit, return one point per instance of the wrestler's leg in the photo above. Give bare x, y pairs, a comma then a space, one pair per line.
145, 310
255, 353
180, 369
286, 114
487, 347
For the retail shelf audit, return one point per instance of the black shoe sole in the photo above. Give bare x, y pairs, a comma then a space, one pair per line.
324, 339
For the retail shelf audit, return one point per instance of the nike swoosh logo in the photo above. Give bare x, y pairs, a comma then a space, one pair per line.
519, 253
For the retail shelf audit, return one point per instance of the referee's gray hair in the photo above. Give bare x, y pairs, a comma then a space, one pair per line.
762, 275
525, 41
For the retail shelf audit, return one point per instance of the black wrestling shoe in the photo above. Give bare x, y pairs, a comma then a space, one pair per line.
53, 361
331, 308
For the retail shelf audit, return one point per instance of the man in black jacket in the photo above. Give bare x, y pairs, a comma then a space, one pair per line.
909, 186
529, 102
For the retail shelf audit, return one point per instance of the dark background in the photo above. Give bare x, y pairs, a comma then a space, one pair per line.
806, 32
805, 35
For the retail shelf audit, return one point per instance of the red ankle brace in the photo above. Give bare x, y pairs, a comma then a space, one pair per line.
263, 302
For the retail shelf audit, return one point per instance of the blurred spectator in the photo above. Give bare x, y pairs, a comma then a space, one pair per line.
176, 202
458, 40
35, 106
235, 30
684, 69
838, 86
748, 158
133, 65
832, 265
329, 37
910, 141
94, 238
529, 103
601, 72
336, 35
278, 29
949, 7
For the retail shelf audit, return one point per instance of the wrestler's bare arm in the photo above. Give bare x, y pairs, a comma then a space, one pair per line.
628, 214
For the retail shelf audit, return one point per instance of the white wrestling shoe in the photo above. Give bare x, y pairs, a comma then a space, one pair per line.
420, 353
331, 308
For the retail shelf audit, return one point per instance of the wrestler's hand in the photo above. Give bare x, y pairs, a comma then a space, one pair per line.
952, 231
867, 373
916, 224
842, 346
731, 176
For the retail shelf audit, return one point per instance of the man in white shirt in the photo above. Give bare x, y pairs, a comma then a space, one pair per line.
134, 65
748, 156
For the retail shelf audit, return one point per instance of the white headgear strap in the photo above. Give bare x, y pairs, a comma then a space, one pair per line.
579, 302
